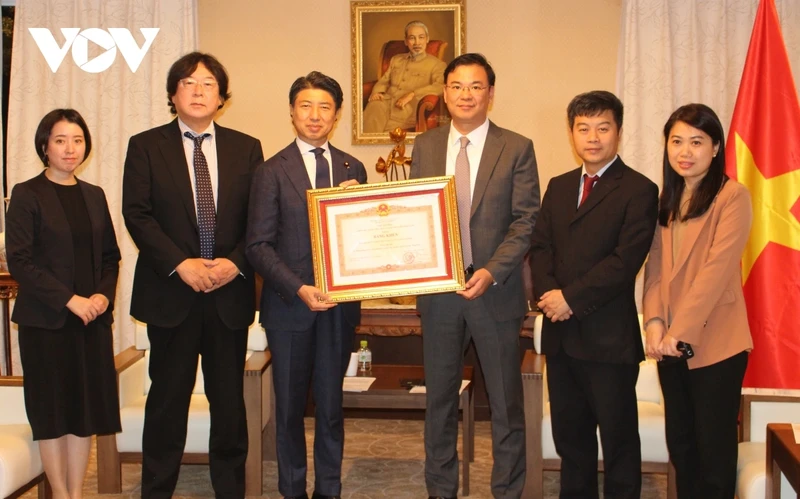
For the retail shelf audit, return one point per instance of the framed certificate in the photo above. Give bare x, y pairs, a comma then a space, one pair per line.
387, 239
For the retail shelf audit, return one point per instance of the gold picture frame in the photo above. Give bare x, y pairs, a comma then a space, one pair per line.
385, 240
377, 36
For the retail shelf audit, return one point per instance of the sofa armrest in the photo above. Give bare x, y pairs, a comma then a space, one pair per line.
427, 117
773, 401
12, 401
127, 358
532, 368
533, 365
11, 381
257, 363
130, 365
366, 91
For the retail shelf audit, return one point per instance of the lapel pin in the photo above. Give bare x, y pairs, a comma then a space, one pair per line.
346, 164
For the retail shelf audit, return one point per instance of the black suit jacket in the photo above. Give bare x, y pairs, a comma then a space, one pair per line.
278, 237
40, 257
593, 254
159, 210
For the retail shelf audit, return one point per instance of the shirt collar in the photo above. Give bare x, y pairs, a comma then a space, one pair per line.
185, 128
601, 171
476, 137
305, 147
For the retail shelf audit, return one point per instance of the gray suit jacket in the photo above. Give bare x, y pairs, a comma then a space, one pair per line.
505, 203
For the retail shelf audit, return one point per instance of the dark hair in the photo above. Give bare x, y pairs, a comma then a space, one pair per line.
315, 79
186, 66
45, 128
703, 118
469, 60
594, 103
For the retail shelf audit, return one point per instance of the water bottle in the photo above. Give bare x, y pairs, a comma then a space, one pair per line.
364, 360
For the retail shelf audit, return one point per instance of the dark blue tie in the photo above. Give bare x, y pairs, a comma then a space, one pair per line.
206, 211
323, 173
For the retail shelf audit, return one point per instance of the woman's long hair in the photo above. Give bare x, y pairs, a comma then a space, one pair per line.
703, 118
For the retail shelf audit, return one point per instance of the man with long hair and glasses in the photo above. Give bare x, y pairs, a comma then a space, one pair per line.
185, 190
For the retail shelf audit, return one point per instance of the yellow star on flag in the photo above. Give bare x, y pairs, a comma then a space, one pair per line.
772, 201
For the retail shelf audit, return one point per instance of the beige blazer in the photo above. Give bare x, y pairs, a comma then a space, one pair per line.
703, 287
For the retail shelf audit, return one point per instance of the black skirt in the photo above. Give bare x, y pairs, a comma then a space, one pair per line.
69, 379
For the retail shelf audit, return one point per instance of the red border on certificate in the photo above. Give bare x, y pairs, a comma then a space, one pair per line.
388, 239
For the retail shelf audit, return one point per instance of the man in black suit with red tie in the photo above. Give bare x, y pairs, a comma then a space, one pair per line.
591, 238
309, 337
184, 198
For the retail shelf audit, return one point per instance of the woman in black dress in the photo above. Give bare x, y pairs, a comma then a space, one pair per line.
62, 250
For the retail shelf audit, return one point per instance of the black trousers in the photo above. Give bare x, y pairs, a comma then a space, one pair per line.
173, 370
319, 355
585, 395
702, 411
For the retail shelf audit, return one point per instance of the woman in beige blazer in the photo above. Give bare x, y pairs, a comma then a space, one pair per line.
693, 294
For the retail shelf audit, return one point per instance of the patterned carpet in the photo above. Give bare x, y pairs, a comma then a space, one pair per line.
383, 459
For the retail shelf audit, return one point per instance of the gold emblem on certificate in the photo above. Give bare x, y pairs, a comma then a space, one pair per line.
387, 239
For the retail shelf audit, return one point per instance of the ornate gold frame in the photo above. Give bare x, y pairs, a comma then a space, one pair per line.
386, 195
357, 10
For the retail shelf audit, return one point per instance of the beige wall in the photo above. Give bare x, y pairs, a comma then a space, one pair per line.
543, 52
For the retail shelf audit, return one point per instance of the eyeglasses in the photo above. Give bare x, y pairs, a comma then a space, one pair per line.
473, 89
191, 84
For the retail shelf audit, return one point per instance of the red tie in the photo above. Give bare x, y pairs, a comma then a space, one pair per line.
588, 183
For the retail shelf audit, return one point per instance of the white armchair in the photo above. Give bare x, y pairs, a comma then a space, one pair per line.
20, 463
760, 407
134, 384
541, 451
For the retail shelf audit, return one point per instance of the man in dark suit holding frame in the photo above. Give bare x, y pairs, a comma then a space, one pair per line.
308, 336
591, 239
498, 199
184, 199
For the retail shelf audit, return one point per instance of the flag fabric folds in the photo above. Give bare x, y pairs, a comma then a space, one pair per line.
763, 153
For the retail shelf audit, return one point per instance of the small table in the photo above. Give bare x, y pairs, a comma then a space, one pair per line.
387, 393
783, 455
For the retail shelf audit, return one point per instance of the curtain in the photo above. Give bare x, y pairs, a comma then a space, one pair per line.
3, 366
673, 52
98, 77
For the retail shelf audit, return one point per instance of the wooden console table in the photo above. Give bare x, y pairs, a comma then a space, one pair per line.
406, 322
395, 337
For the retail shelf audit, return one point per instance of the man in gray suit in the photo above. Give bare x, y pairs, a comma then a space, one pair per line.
498, 200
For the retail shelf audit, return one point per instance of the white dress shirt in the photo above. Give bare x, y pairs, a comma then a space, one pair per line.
599, 174
477, 139
310, 160
209, 151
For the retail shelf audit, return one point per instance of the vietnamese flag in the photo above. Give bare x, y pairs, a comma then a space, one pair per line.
763, 153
